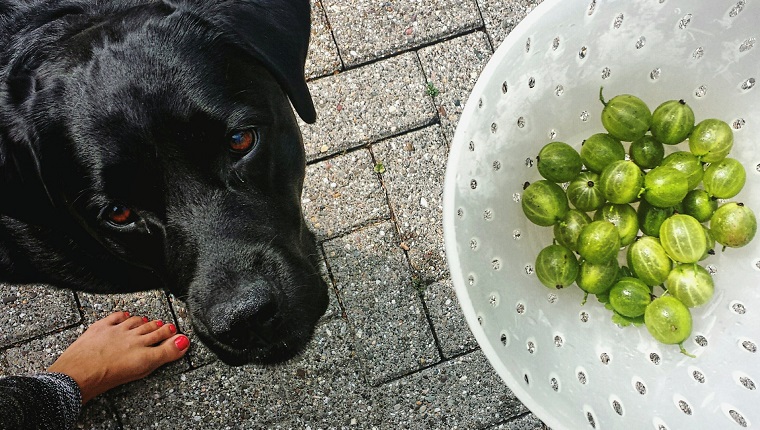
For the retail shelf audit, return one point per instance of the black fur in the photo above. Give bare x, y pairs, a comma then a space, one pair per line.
134, 102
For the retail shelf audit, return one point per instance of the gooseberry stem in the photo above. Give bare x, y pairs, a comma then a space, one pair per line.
684, 352
601, 97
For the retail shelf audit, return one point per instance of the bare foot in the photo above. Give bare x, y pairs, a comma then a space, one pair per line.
119, 349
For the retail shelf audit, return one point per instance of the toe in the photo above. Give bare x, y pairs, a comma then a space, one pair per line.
116, 318
149, 327
171, 349
134, 321
158, 334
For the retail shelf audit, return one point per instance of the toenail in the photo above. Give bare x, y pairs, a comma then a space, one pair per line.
145, 319
126, 314
172, 328
182, 342
159, 323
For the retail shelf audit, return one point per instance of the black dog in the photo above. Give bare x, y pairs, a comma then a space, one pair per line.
150, 144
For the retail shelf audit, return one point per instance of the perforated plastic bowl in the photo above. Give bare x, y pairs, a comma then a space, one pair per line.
569, 363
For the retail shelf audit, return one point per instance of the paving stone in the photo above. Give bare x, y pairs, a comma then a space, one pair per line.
461, 393
322, 58
29, 310
384, 308
415, 166
502, 16
343, 193
453, 67
152, 304
98, 414
324, 387
199, 354
366, 30
525, 422
453, 333
37, 355
213, 397
367, 104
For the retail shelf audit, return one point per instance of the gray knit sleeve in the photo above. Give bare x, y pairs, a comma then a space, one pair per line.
43, 401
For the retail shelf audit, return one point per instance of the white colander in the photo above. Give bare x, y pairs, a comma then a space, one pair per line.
569, 363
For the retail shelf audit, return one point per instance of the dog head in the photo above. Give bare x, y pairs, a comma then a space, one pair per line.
153, 145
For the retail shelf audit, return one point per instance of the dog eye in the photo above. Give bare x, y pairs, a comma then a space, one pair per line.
244, 140
118, 214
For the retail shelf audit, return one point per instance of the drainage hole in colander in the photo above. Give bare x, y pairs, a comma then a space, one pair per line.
496, 264
504, 87
749, 346
698, 376
700, 340
504, 339
640, 42
604, 358
735, 415
521, 122
757, 169
684, 406
606, 73
474, 244
618, 21
685, 21
640, 387
584, 316
471, 146
748, 84
552, 298
520, 308
738, 123
559, 90
528, 163
496, 165
591, 7
493, 300
527, 45
488, 214
554, 383
700, 91
712, 269
739, 308
655, 74
529, 269
531, 346
738, 7
471, 280
583, 52
617, 407
698, 53
480, 320
494, 127
747, 44
532, 82
590, 418
516, 197
558, 341
582, 377
659, 424
654, 358
516, 234
747, 382
460, 213
473, 184
526, 378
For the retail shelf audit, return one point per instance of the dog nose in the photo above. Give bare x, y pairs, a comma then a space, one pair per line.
250, 319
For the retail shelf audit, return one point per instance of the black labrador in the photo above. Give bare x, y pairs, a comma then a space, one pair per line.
152, 144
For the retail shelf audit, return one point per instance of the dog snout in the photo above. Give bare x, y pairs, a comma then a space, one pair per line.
251, 319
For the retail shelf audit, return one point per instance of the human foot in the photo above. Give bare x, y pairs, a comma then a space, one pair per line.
119, 349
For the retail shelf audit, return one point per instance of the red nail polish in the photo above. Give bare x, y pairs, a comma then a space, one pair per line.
182, 342
145, 319
126, 314
172, 328
159, 323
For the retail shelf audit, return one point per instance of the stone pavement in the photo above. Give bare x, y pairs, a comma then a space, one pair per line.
389, 80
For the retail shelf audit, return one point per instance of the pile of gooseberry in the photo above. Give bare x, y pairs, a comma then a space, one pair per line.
659, 214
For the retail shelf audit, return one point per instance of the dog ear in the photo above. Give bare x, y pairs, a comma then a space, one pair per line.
275, 32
